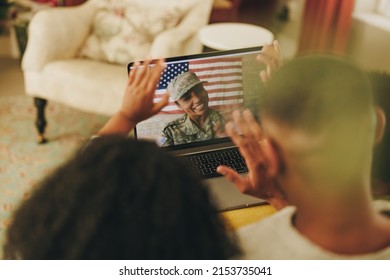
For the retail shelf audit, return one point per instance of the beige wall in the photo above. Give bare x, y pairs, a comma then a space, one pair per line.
365, 5
370, 37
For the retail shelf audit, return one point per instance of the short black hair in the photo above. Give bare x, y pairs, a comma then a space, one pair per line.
120, 199
312, 91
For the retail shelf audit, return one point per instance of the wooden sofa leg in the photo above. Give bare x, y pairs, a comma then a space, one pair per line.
40, 122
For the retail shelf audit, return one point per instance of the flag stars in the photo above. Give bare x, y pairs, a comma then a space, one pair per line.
172, 70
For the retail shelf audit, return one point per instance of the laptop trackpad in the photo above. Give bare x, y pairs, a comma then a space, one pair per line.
228, 197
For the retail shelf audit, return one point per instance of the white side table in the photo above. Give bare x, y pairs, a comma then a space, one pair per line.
225, 36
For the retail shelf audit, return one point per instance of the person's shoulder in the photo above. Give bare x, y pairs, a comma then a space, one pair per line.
170, 130
216, 116
279, 219
176, 122
269, 238
214, 112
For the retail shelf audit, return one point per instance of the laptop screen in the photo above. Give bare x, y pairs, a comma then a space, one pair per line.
204, 89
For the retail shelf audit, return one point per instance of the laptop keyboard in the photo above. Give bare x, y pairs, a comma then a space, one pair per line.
205, 164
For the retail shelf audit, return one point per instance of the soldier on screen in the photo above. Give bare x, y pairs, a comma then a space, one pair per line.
199, 121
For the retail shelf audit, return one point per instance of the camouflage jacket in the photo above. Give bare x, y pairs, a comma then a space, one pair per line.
183, 130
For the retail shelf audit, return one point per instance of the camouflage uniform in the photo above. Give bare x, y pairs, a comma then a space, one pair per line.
183, 130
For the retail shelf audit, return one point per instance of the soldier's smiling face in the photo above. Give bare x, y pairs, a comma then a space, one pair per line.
195, 101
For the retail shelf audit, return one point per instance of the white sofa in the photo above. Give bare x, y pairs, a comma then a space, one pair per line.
54, 70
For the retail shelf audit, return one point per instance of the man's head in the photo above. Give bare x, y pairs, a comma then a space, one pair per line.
189, 94
319, 112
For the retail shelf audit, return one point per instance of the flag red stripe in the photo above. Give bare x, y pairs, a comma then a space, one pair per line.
214, 60
219, 75
216, 68
238, 89
223, 83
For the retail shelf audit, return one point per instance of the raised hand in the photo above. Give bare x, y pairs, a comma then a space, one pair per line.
138, 102
271, 57
260, 159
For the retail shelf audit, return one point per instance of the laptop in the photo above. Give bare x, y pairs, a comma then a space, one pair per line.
231, 79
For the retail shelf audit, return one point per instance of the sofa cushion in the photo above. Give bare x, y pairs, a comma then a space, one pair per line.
95, 86
124, 31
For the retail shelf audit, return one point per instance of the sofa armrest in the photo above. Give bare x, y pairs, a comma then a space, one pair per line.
57, 33
183, 39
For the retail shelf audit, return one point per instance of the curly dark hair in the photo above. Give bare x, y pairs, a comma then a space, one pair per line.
120, 199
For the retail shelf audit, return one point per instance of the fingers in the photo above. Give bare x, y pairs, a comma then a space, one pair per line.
140, 75
253, 126
154, 75
246, 134
231, 131
246, 125
133, 72
243, 184
264, 56
270, 55
240, 123
146, 77
264, 77
246, 142
232, 176
160, 104
276, 45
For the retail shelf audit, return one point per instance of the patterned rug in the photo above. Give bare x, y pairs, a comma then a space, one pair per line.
22, 161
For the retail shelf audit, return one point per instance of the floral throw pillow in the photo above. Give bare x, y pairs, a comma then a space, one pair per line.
124, 33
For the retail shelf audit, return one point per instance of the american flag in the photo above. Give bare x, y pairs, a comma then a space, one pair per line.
223, 77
